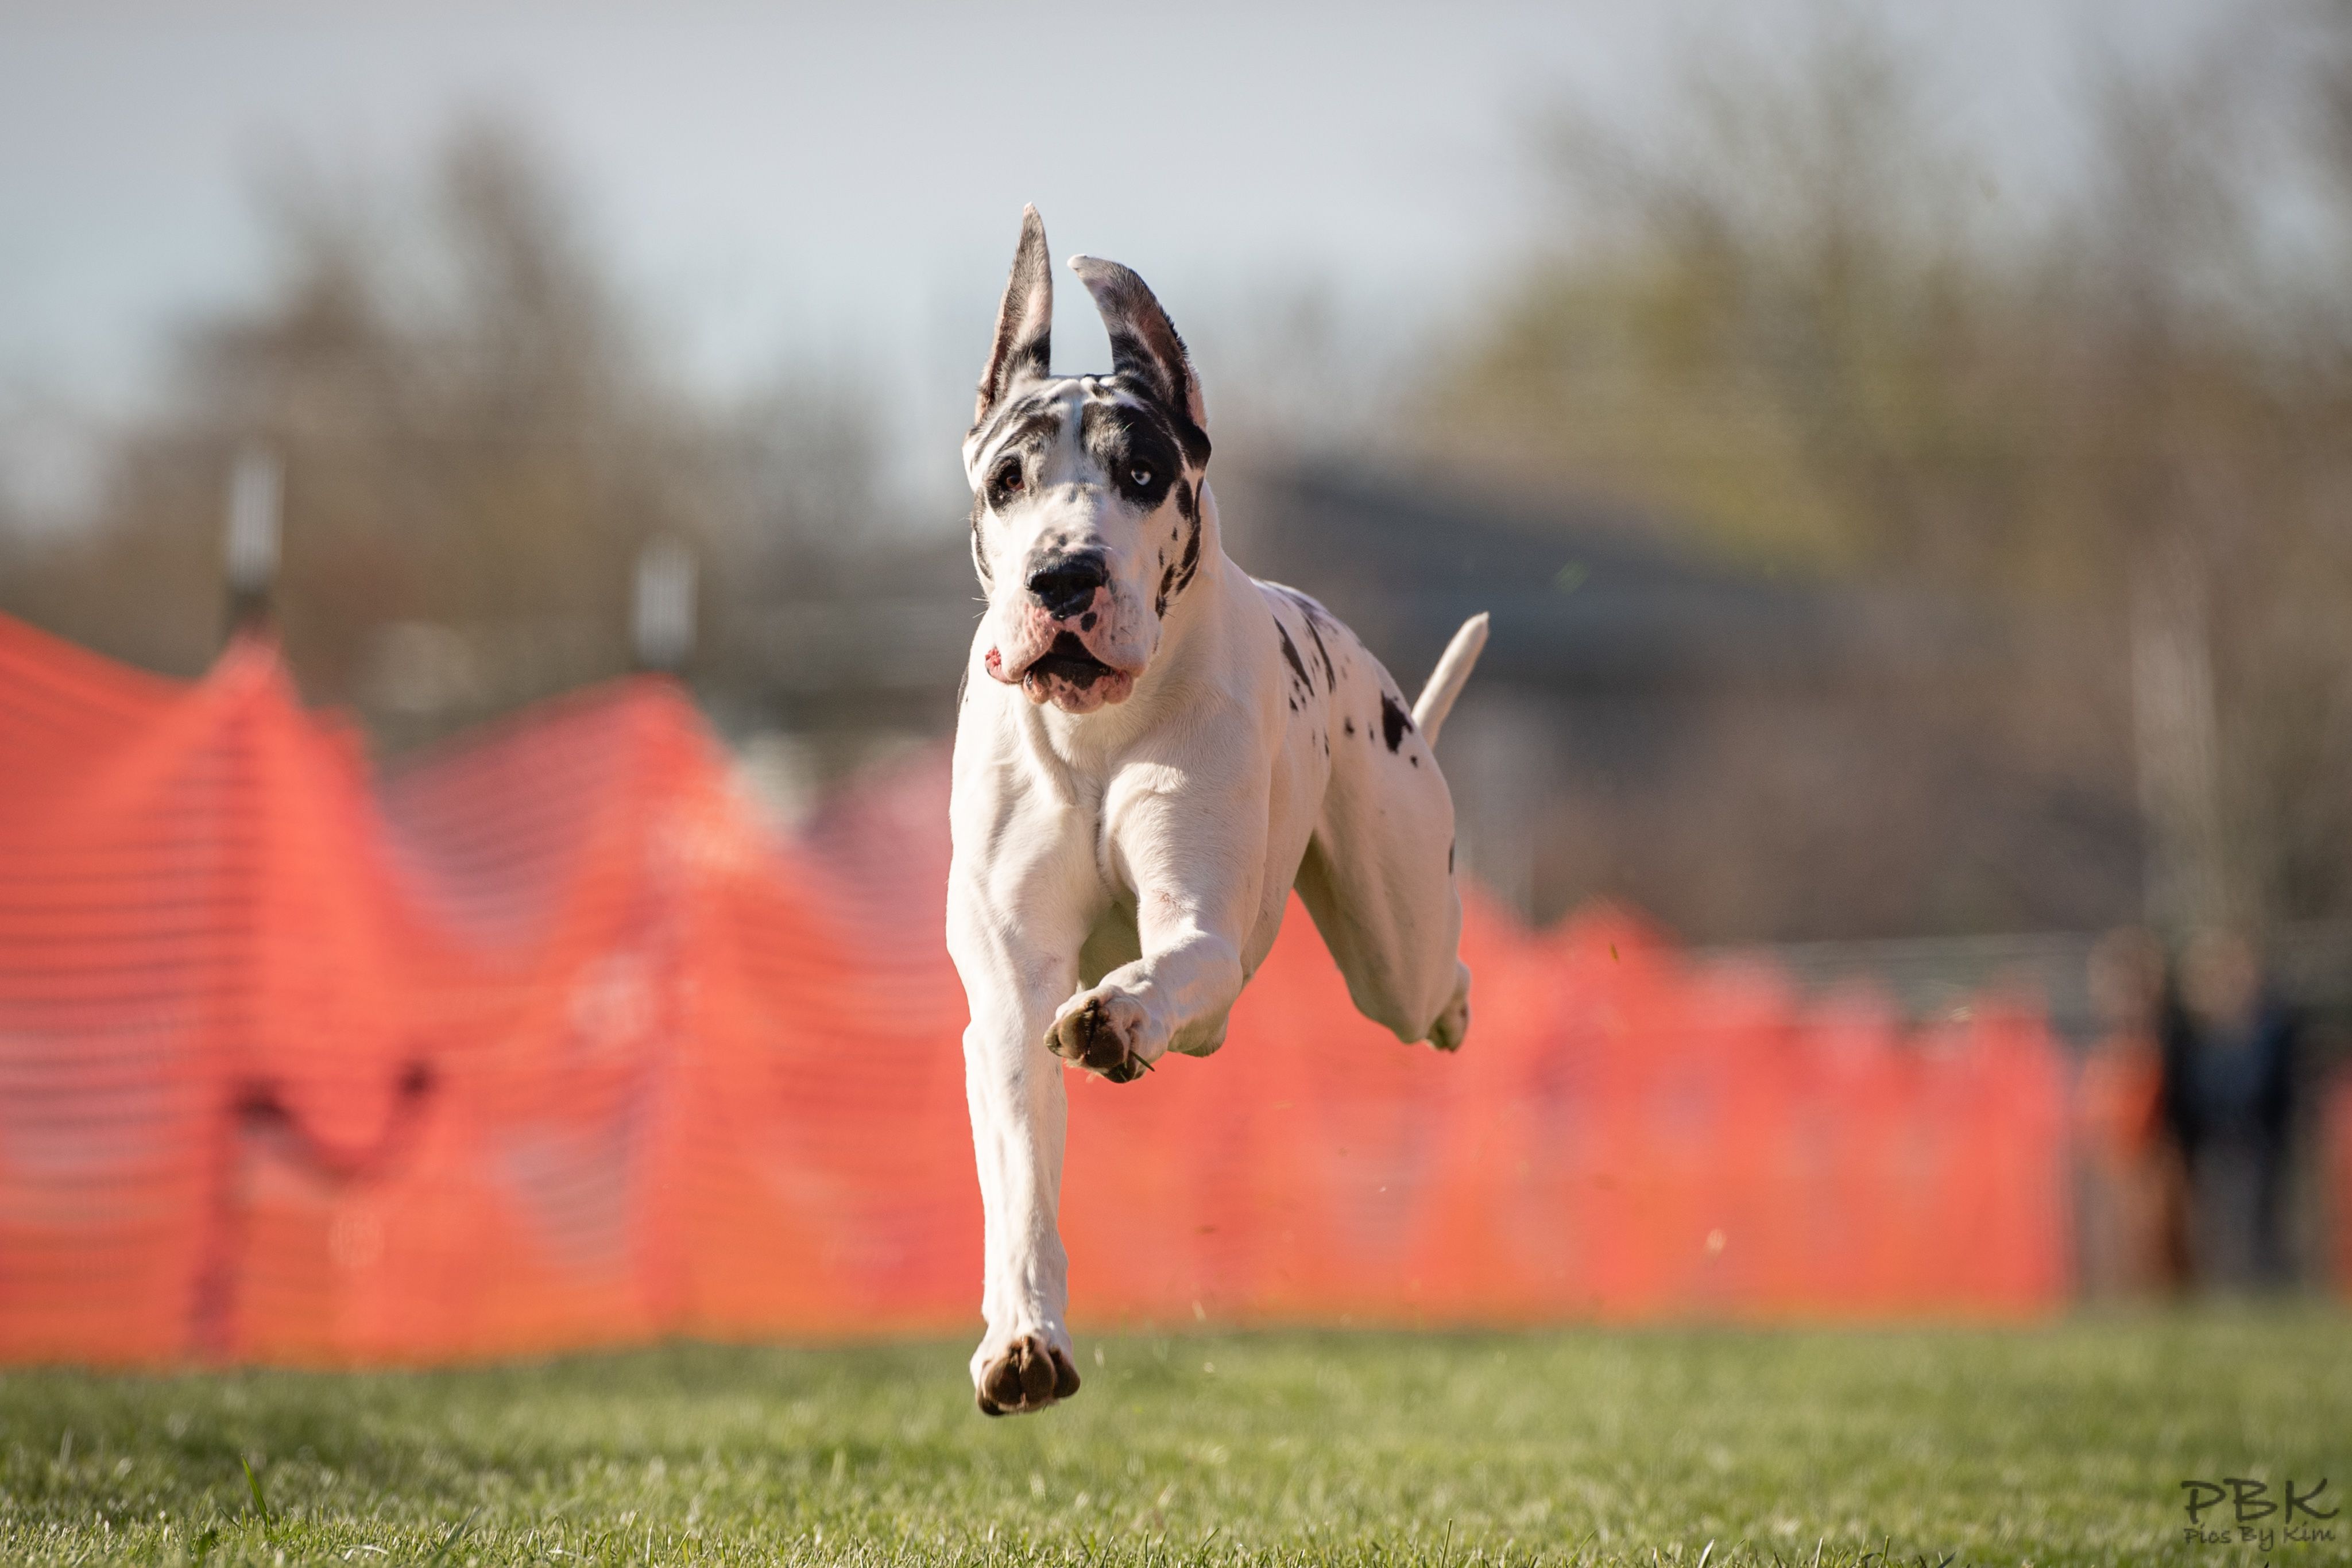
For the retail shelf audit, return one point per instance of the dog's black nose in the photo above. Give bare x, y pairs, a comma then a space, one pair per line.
1067, 585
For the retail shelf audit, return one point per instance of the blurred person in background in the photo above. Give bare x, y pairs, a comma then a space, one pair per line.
2229, 1048
2132, 1188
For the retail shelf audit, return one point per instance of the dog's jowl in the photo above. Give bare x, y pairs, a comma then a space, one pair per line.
1154, 750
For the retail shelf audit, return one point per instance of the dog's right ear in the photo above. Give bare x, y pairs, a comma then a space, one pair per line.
1024, 321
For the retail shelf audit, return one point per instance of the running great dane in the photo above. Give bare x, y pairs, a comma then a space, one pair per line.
1152, 748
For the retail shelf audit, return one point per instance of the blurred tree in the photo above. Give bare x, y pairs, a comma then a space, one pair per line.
1819, 334
475, 441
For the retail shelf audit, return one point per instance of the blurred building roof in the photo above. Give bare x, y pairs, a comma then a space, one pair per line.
1583, 595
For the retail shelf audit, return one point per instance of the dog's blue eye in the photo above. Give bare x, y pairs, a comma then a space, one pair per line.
1139, 476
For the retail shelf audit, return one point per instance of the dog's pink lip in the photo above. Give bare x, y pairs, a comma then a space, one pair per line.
1063, 670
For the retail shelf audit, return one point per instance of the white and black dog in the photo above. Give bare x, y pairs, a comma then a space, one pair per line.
1153, 749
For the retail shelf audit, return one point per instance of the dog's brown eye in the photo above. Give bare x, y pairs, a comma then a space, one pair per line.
1008, 479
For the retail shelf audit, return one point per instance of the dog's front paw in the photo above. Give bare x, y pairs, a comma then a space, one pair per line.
1103, 1031
1027, 1374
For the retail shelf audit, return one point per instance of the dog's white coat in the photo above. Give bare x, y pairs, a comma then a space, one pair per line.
1119, 871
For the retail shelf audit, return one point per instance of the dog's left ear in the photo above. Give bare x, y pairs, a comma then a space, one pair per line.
1143, 341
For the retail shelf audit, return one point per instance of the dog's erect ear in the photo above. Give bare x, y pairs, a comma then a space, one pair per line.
1143, 341
1024, 321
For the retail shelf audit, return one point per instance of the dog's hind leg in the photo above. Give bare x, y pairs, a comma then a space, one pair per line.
1378, 875
1394, 928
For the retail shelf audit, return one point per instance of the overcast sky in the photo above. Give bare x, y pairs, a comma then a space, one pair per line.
782, 185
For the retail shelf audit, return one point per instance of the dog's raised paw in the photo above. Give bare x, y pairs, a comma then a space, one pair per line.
1100, 1034
1027, 1374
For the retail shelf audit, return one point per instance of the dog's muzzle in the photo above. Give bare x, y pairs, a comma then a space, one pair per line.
1053, 654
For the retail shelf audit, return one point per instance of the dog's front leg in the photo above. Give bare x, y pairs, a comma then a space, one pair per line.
1195, 864
1013, 974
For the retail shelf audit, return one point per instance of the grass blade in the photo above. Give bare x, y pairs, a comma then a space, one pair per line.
451, 1540
253, 1484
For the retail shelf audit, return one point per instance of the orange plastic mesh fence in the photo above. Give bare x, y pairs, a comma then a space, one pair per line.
546, 1042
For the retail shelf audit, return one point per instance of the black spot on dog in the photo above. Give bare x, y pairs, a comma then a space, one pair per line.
1195, 442
1086, 622
1293, 702
1312, 613
1178, 578
1449, 857
1190, 562
1290, 652
1331, 675
1349, 725
1395, 723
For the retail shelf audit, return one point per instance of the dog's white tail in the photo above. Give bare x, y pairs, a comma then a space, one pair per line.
1446, 681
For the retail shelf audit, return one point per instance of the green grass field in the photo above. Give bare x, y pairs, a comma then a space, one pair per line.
2056, 1445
